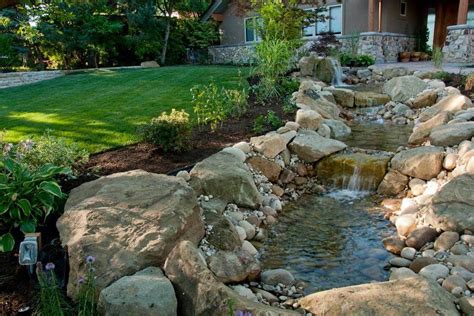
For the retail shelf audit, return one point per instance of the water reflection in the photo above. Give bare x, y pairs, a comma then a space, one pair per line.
330, 241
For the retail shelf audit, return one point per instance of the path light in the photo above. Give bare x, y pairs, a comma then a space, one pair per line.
29, 250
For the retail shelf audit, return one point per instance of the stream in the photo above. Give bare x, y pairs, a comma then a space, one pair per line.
335, 240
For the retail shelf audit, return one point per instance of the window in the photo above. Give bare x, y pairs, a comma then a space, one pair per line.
251, 30
403, 8
332, 23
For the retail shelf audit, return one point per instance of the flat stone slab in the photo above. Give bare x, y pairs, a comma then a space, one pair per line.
312, 147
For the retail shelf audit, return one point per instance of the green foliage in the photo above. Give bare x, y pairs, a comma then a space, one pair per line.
438, 57
51, 300
422, 37
356, 61
289, 107
274, 61
49, 149
170, 131
199, 34
87, 293
27, 196
212, 105
264, 122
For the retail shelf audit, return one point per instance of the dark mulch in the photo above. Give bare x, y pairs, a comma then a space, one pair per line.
203, 142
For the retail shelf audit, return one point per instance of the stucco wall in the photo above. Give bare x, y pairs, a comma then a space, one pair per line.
393, 22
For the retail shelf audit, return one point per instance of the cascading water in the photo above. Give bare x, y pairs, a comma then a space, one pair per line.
337, 78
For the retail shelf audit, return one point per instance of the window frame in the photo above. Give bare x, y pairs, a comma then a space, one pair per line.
316, 32
255, 32
403, 3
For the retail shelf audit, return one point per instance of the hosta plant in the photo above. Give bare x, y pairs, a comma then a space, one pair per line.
27, 197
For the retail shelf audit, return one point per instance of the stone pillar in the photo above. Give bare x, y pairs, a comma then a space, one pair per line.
462, 11
459, 46
371, 15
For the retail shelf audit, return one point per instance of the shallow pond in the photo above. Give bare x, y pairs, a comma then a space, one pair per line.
330, 241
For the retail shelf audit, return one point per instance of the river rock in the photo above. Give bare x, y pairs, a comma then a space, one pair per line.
422, 131
338, 128
421, 162
318, 103
450, 161
454, 281
269, 145
239, 154
400, 109
401, 89
452, 104
307, 65
405, 224
393, 244
446, 240
268, 168
311, 147
249, 229
344, 97
463, 273
400, 262
393, 183
244, 146
276, 276
421, 236
421, 262
308, 119
233, 267
209, 175
465, 261
245, 292
199, 292
417, 186
367, 99
224, 235
134, 212
452, 134
401, 273
325, 70
413, 296
452, 207
459, 249
435, 271
468, 239
425, 99
147, 292
408, 253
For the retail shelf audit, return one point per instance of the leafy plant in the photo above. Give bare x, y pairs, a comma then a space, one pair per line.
51, 300
325, 45
356, 61
422, 37
170, 131
27, 197
437, 57
269, 121
87, 294
289, 106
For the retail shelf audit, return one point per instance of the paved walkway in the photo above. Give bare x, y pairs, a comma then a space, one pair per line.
428, 66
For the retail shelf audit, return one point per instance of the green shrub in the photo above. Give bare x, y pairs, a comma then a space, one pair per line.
50, 149
438, 57
170, 131
270, 121
27, 196
349, 60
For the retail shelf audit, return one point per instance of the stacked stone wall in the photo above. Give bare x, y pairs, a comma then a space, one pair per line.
13, 79
459, 46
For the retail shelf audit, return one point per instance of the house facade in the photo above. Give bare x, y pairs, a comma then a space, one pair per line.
381, 28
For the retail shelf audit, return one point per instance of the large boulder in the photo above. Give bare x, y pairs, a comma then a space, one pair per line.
226, 177
233, 267
147, 292
452, 207
200, 293
401, 89
338, 128
344, 97
311, 147
452, 134
368, 98
268, 168
452, 104
269, 145
309, 119
325, 70
393, 183
411, 296
422, 131
421, 162
128, 221
307, 65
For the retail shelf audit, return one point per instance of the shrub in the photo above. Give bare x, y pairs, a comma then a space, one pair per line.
438, 57
269, 121
27, 196
325, 45
50, 149
170, 131
349, 60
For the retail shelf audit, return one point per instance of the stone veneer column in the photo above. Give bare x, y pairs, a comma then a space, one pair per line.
459, 44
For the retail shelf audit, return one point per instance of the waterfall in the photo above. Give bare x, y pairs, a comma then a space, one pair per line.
337, 78
353, 187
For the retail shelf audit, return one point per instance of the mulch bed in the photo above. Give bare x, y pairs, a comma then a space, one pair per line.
204, 143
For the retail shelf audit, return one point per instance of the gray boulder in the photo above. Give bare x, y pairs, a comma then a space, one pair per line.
233, 267
422, 131
226, 177
401, 89
344, 97
147, 292
421, 162
338, 128
452, 207
312, 147
452, 104
452, 134
393, 183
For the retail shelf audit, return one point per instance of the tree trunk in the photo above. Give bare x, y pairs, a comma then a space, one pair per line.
165, 42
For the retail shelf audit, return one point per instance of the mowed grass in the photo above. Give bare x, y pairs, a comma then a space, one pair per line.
102, 109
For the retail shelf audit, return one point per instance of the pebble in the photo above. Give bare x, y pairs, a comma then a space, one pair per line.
446, 240
435, 271
247, 246
408, 253
399, 262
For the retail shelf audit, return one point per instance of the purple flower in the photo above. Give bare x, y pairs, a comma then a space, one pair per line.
50, 266
81, 281
90, 259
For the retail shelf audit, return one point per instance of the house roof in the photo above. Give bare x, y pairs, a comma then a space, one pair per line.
217, 6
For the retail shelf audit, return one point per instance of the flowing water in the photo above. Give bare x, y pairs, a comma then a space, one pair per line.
335, 240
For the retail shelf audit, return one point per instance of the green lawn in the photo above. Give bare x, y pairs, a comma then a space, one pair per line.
101, 110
